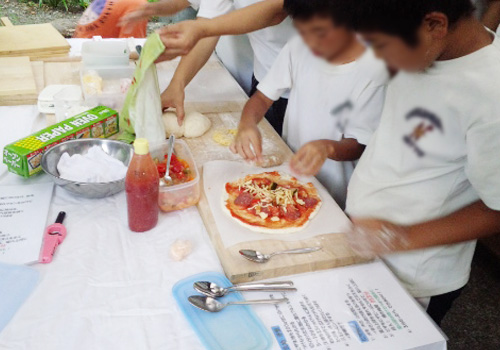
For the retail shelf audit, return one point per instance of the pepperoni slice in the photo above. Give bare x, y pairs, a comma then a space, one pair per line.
244, 200
310, 202
274, 211
265, 210
291, 213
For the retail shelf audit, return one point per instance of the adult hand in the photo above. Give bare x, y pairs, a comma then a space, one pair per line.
311, 157
248, 142
370, 238
180, 38
173, 97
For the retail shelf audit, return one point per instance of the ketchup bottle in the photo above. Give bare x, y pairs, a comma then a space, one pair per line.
142, 187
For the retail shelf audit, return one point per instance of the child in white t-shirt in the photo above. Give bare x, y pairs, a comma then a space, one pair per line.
336, 95
430, 175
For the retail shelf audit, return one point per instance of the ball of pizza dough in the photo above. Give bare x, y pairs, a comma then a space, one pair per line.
171, 125
196, 124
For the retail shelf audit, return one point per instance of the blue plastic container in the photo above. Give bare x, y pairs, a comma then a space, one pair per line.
235, 327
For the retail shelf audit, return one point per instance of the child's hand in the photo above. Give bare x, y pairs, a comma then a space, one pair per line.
311, 157
173, 97
248, 142
371, 237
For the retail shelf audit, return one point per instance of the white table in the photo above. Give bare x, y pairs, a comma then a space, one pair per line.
107, 288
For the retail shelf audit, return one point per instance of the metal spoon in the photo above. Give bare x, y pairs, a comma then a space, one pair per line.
213, 290
258, 257
212, 305
167, 179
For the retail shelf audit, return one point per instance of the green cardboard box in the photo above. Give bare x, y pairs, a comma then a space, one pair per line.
24, 156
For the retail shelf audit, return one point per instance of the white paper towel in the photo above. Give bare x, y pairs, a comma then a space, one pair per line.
94, 166
329, 219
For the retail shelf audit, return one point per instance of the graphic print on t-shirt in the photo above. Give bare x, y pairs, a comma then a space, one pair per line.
93, 12
429, 122
341, 115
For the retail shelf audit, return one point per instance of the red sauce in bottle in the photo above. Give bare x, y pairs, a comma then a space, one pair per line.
142, 187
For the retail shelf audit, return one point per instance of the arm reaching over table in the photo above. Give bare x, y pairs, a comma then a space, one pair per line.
181, 38
189, 66
150, 9
248, 141
373, 237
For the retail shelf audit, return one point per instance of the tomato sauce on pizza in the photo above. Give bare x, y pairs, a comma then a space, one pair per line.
273, 201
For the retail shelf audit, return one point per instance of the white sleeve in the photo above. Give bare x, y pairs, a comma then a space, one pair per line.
214, 8
278, 79
195, 4
366, 112
483, 162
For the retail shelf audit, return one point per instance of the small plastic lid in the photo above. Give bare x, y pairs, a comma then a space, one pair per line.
141, 146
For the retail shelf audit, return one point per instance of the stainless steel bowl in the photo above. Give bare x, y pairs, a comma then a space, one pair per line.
116, 149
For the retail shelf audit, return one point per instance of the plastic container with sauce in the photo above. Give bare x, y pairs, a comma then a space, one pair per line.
182, 195
142, 187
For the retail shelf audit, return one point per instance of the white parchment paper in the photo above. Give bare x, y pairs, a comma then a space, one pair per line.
329, 219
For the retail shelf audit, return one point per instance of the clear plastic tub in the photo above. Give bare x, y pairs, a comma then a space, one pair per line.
183, 195
105, 53
106, 86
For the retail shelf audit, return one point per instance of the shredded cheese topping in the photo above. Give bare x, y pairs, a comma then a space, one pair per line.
280, 196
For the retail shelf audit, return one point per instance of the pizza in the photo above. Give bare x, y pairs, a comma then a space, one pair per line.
271, 202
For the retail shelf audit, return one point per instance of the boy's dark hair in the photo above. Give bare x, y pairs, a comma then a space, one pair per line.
307, 9
401, 17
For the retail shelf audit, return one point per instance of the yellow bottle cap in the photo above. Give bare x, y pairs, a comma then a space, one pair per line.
141, 146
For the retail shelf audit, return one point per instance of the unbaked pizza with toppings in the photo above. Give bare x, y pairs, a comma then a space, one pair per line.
271, 202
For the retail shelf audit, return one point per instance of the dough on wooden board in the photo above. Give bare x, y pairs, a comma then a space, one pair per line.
224, 137
195, 125
171, 125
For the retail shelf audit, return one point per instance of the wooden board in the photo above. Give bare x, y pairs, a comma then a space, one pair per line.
17, 81
34, 40
5, 21
335, 252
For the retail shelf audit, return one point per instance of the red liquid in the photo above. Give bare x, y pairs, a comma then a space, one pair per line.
142, 187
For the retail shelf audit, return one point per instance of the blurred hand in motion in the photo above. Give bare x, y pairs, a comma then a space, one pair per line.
248, 142
370, 238
150, 9
144, 12
180, 38
310, 158
173, 97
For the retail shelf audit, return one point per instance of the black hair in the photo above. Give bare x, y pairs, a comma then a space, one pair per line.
401, 17
307, 9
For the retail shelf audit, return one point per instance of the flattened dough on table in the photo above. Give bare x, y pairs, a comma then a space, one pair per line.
224, 137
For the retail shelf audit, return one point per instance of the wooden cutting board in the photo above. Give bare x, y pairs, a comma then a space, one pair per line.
335, 252
18, 85
33, 40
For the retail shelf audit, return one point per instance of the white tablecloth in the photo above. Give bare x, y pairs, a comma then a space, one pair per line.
107, 288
